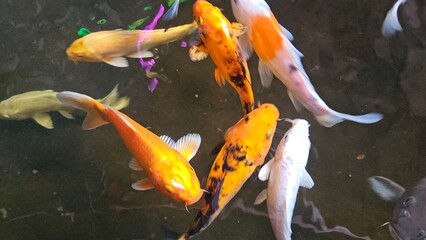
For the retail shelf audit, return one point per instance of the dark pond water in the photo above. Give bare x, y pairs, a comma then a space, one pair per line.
67, 183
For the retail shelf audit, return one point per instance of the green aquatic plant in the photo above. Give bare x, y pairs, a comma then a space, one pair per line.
102, 21
83, 32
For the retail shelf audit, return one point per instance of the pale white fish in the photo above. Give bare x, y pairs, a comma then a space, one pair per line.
278, 56
391, 24
38, 104
286, 172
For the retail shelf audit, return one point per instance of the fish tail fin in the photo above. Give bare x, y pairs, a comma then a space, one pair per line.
391, 23
200, 223
332, 118
83, 102
114, 100
172, 12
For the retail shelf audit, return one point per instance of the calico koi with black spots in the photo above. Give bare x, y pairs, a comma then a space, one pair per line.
245, 148
219, 40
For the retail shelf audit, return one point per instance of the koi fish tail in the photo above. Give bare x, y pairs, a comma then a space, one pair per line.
243, 87
201, 222
172, 12
332, 118
83, 102
114, 100
391, 23
247, 104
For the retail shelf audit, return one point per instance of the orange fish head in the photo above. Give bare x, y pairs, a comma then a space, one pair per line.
183, 185
78, 52
205, 13
260, 122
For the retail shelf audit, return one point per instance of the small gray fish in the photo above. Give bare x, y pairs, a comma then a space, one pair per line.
409, 214
38, 104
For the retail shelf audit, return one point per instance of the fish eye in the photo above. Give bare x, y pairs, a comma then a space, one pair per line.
409, 201
421, 234
169, 189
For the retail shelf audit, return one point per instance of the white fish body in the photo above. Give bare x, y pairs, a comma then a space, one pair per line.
278, 56
38, 104
391, 23
286, 172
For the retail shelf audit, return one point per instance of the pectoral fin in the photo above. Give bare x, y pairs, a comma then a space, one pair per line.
297, 104
188, 145
246, 46
144, 54
168, 140
238, 29
198, 52
385, 188
116, 61
261, 197
220, 79
134, 165
266, 74
143, 185
287, 33
265, 170
306, 181
44, 120
66, 114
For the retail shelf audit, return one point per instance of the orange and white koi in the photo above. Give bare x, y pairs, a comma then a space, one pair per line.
277, 56
219, 40
245, 148
112, 46
164, 161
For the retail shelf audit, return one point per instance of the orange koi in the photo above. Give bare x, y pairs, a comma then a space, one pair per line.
219, 40
164, 160
245, 148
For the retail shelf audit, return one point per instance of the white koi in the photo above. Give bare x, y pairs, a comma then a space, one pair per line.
286, 172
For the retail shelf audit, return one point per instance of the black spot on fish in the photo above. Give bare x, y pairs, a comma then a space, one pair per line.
214, 203
238, 80
241, 158
227, 168
248, 107
247, 118
216, 167
229, 60
292, 68
214, 182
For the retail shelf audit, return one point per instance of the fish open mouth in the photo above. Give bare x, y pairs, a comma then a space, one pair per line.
394, 233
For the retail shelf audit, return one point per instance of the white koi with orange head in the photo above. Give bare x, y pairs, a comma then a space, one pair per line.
278, 56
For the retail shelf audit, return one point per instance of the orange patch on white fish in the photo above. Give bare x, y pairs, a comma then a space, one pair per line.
267, 31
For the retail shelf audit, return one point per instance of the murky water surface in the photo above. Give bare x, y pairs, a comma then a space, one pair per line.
67, 183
